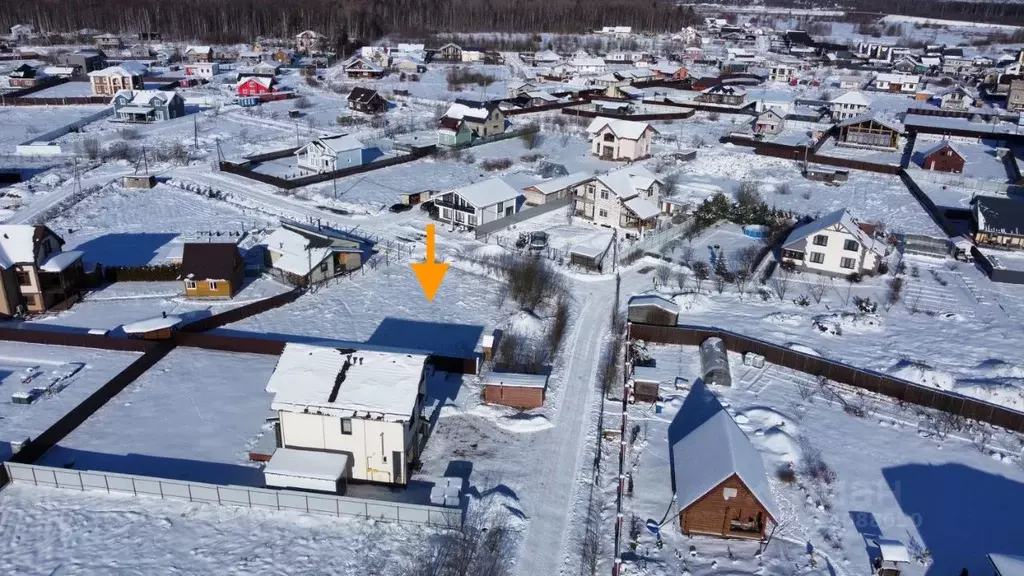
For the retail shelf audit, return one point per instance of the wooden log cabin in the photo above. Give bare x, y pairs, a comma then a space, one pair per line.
871, 131
718, 476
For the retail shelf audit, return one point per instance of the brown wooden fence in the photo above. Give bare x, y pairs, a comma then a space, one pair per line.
797, 153
878, 383
635, 117
545, 108
242, 312
246, 171
225, 343
76, 339
56, 101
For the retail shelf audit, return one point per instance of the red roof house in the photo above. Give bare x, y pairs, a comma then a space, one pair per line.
255, 86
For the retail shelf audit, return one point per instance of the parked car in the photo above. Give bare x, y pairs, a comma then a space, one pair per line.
538, 240
396, 208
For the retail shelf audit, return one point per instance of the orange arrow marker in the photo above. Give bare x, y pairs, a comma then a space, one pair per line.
430, 273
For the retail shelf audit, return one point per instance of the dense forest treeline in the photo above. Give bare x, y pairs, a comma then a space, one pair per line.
245, 20
1011, 13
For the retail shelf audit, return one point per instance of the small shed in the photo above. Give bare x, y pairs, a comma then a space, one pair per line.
307, 470
714, 362
646, 384
653, 309
892, 554
140, 181
943, 157
523, 391
159, 328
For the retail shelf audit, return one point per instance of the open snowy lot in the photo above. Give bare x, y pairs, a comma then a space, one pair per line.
47, 531
950, 500
193, 416
23, 122
68, 374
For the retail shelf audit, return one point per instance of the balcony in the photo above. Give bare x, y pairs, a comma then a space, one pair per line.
445, 204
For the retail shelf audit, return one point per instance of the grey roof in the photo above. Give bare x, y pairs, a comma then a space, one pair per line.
654, 300
708, 447
841, 217
487, 192
939, 146
1000, 215
561, 183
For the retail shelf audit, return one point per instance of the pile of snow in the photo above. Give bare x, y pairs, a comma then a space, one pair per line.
767, 418
525, 324
837, 323
995, 368
785, 318
921, 373
507, 419
489, 251
803, 349
692, 302
1007, 392
779, 443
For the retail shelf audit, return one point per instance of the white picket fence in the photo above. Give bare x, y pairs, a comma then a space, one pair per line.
249, 497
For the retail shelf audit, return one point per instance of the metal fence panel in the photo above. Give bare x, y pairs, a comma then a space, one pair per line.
233, 495
418, 515
93, 481
384, 511
263, 498
176, 490
120, 484
292, 501
203, 493
147, 487
323, 505
352, 507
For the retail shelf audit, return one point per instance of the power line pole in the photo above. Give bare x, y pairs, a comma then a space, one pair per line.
195, 131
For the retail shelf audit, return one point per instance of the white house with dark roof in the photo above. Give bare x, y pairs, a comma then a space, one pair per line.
623, 198
612, 139
833, 245
479, 203
363, 405
330, 154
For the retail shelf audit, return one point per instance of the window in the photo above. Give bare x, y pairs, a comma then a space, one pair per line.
323, 266
851, 245
213, 285
498, 207
602, 213
817, 257
590, 190
821, 240
604, 194
792, 254
23, 278
847, 263
190, 284
346, 426
609, 138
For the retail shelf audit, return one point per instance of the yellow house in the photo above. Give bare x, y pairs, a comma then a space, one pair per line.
212, 270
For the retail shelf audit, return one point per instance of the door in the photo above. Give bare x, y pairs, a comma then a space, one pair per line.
508, 211
397, 476
607, 152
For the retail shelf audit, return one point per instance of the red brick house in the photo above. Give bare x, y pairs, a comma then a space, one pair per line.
255, 86
943, 157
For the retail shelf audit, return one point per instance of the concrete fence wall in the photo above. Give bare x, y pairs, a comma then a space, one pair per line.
225, 495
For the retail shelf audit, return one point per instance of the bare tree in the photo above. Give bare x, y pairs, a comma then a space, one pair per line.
746, 257
701, 272
482, 546
741, 278
780, 280
818, 288
681, 279
686, 254
663, 273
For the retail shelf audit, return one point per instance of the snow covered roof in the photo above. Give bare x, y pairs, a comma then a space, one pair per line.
646, 374
487, 192
329, 466
893, 124
295, 253
341, 143
365, 384
892, 550
625, 182
17, 244
144, 97
939, 146
120, 70
261, 80
461, 111
708, 447
895, 78
853, 97
516, 380
643, 209
542, 95
60, 261
587, 62
1007, 564
198, 50
621, 128
561, 183
151, 324
631, 91
839, 217
654, 300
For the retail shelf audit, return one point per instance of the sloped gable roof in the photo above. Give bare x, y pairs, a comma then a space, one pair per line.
852, 97
621, 128
487, 192
708, 448
893, 125
626, 182
840, 217
939, 146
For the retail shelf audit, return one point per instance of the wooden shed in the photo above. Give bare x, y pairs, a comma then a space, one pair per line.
653, 309
718, 476
159, 328
943, 157
646, 384
523, 391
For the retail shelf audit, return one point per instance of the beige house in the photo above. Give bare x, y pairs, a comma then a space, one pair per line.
620, 139
555, 188
833, 245
482, 118
109, 81
624, 198
363, 405
35, 275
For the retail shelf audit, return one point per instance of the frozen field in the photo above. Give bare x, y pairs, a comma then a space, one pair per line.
125, 302
945, 496
193, 416
27, 366
24, 122
129, 227
48, 531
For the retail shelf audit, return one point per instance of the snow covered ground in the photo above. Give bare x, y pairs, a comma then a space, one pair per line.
46, 531
951, 497
193, 416
23, 122
27, 366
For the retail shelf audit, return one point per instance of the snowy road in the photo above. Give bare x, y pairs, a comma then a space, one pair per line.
557, 487
30, 213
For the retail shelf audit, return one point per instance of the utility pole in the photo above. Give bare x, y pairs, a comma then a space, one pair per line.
195, 131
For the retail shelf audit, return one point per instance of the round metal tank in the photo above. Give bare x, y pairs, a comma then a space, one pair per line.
714, 362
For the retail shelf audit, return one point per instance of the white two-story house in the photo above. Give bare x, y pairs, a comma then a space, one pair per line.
833, 245
624, 198
620, 139
479, 203
897, 83
330, 154
357, 411
849, 105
